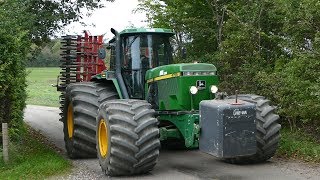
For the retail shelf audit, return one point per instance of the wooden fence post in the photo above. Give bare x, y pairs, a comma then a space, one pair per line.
5, 141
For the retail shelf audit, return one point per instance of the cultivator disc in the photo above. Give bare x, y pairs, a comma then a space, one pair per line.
79, 61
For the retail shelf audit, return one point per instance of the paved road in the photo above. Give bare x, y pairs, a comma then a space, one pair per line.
172, 164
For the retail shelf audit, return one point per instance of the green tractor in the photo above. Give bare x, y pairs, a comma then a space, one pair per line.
122, 107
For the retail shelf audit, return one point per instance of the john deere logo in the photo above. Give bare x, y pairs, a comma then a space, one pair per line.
201, 84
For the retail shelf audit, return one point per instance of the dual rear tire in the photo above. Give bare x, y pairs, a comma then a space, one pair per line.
81, 104
127, 137
122, 133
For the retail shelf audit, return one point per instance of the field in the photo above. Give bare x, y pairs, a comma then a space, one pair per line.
40, 90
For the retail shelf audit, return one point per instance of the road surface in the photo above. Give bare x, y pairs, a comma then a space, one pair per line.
172, 164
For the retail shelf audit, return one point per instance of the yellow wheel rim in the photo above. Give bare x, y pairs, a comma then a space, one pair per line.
70, 121
103, 138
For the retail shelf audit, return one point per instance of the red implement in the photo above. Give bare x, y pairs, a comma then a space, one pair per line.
87, 56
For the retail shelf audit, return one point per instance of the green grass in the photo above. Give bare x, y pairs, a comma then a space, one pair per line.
32, 159
298, 145
40, 91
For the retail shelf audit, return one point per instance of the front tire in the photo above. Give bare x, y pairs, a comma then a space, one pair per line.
267, 134
127, 137
79, 114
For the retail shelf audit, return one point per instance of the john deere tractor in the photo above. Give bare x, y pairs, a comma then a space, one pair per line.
121, 100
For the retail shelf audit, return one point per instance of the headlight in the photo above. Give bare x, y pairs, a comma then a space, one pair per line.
212, 73
193, 90
214, 89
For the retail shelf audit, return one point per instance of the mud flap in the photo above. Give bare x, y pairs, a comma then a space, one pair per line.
227, 128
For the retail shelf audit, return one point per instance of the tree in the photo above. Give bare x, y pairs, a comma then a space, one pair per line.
47, 17
191, 20
46, 55
24, 22
259, 46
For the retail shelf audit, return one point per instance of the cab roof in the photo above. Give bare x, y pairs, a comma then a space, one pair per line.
146, 30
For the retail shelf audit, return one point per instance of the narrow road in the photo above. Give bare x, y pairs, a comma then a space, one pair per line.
172, 164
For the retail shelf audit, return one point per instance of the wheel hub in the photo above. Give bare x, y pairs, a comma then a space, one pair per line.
103, 138
70, 121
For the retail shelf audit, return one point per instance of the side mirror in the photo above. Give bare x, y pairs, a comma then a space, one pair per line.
184, 53
102, 53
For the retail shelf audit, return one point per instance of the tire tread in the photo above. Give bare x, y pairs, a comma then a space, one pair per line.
85, 98
134, 134
268, 130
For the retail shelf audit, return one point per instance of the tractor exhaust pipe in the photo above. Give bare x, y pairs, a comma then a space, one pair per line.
115, 32
122, 86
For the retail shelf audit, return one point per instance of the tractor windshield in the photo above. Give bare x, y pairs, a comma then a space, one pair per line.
140, 53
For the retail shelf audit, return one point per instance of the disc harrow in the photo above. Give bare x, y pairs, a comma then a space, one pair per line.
79, 61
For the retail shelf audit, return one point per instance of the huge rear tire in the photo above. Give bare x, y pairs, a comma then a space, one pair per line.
267, 134
79, 114
127, 137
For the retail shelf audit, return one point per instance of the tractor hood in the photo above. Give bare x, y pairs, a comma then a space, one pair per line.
168, 87
174, 70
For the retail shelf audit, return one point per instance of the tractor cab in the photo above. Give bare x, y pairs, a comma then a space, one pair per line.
141, 50
145, 70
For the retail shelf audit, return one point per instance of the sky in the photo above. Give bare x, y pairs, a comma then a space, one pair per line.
116, 15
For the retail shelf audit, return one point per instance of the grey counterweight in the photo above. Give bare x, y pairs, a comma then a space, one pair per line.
227, 128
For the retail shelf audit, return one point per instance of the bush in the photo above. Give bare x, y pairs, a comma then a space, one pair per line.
13, 50
295, 88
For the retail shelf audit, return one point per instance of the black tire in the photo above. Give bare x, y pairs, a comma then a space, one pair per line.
267, 134
83, 100
127, 137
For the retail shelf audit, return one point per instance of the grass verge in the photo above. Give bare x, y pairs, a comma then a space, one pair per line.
32, 158
298, 145
40, 91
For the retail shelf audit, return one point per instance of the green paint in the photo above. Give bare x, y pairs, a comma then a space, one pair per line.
169, 133
174, 93
110, 76
184, 67
116, 84
187, 128
97, 76
174, 96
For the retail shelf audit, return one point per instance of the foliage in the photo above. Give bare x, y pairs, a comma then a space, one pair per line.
263, 47
13, 48
298, 144
46, 55
297, 87
46, 17
23, 23
186, 18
